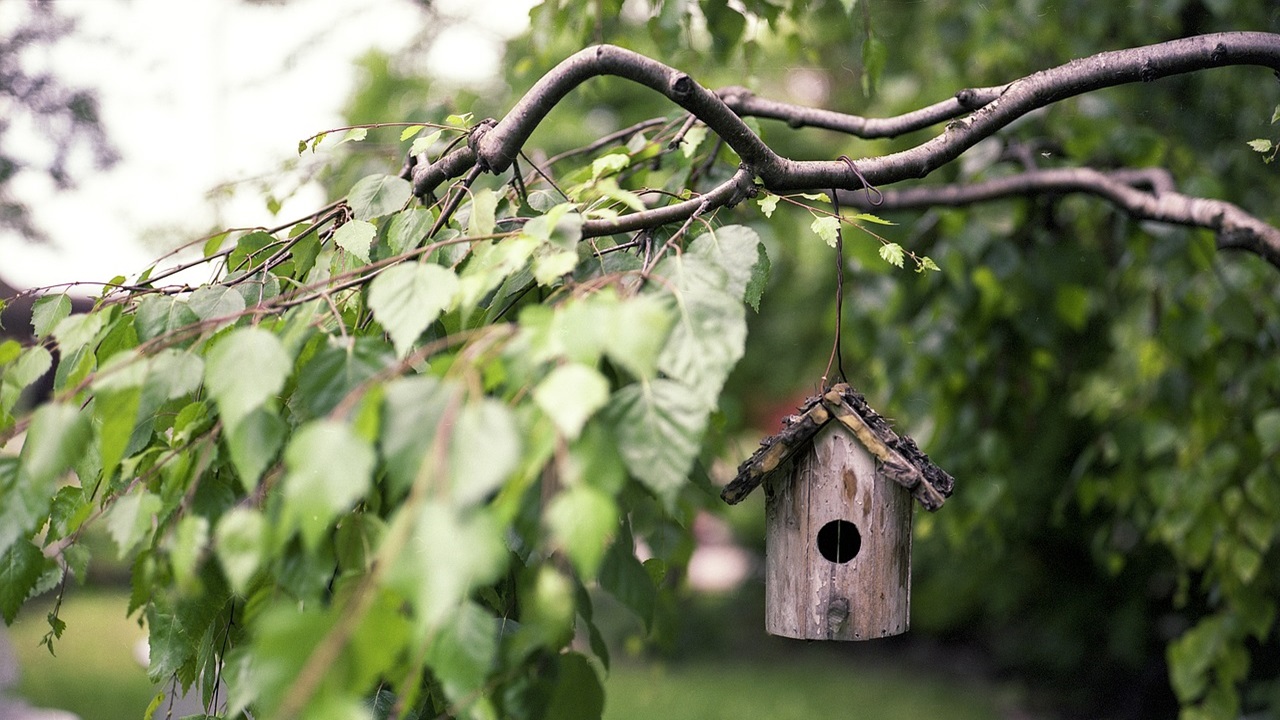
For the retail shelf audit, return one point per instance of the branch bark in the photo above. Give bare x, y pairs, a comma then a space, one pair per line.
493, 145
1145, 195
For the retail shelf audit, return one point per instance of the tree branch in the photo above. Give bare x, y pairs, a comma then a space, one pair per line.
1145, 195
493, 146
726, 194
746, 103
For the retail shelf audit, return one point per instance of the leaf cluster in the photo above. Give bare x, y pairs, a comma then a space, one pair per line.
379, 464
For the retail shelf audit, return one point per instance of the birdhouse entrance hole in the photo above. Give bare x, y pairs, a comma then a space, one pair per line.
839, 541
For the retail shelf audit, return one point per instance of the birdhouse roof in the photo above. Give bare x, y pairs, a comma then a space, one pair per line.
897, 456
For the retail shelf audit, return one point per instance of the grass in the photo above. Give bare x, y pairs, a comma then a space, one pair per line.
96, 676
826, 687
94, 673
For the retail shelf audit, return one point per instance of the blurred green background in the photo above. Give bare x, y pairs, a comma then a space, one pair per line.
1105, 391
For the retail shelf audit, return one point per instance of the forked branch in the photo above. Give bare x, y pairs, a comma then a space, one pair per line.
1145, 195
973, 115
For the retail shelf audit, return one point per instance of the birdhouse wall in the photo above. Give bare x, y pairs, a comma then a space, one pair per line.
838, 583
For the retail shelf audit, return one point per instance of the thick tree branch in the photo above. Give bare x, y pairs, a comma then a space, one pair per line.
1108, 69
493, 146
1146, 195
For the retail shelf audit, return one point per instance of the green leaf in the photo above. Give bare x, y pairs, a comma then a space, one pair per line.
10, 350
216, 302
459, 120
131, 519
485, 449
248, 253
581, 520
578, 694
759, 279
560, 227
214, 243
736, 250
1071, 303
1191, 656
1261, 145
170, 643
411, 131
768, 203
334, 371
623, 577
244, 370
594, 461
868, 217
463, 653
927, 263
240, 545
546, 612
637, 332
20, 567
892, 253
408, 297
729, 24
710, 331
356, 237
489, 265
377, 195
412, 415
354, 135
328, 468
116, 412
424, 143
875, 55
161, 315
1275, 115
692, 140
31, 364
481, 220
187, 549
549, 268
48, 311
77, 331
254, 443
56, 440
1246, 562
1267, 427
827, 228
570, 394
408, 228
451, 552
659, 428
610, 164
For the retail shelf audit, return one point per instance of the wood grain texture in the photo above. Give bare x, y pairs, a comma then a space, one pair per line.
808, 596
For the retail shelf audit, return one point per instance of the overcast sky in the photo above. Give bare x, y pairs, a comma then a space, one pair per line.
195, 93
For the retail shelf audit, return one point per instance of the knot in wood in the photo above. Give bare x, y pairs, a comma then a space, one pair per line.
681, 85
475, 135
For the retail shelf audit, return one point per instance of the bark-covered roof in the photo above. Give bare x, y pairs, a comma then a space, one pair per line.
897, 456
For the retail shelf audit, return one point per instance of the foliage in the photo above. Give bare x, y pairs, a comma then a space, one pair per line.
380, 463
384, 458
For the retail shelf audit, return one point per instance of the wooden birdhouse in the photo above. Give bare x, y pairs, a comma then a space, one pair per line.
839, 485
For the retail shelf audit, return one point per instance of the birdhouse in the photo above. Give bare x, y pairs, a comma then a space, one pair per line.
839, 487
